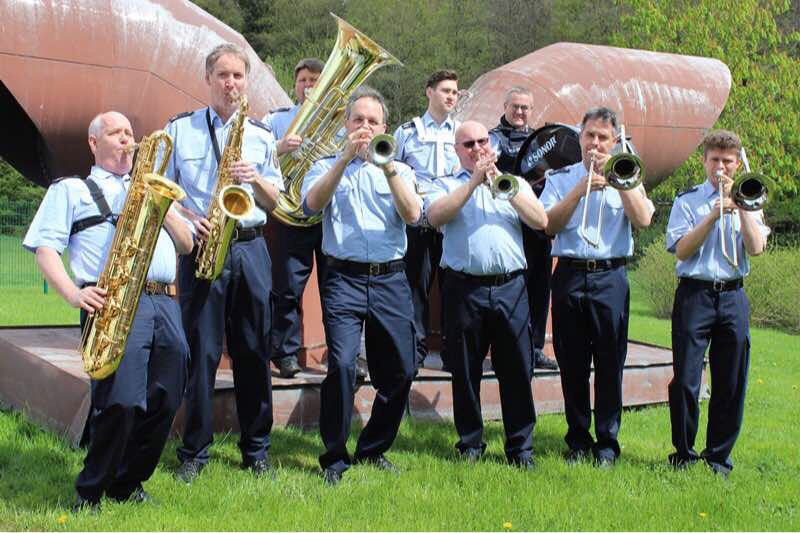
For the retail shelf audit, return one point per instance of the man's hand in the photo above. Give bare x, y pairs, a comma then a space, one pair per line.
202, 227
89, 298
289, 143
484, 169
356, 142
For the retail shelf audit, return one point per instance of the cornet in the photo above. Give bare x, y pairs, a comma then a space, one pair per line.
382, 149
504, 187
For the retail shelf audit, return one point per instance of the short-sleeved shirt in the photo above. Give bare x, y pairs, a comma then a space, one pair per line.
485, 236
428, 148
193, 164
615, 239
280, 119
361, 222
708, 263
69, 200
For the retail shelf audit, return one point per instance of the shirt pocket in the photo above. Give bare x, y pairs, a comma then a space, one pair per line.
341, 206
255, 154
194, 161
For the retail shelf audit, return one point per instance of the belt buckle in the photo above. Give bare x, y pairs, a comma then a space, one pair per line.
591, 265
235, 236
374, 269
719, 285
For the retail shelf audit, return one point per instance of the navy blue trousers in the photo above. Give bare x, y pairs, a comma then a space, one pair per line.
292, 251
701, 316
236, 305
133, 408
480, 318
590, 324
422, 259
382, 304
540, 268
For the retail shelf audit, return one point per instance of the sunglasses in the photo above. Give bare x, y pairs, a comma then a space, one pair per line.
471, 143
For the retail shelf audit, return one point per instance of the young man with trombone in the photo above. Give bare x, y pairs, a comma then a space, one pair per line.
591, 223
481, 213
712, 230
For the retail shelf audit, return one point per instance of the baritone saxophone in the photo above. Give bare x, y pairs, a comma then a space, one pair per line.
125, 272
229, 204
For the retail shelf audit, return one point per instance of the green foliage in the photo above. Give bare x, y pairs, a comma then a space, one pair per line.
773, 286
764, 102
13, 186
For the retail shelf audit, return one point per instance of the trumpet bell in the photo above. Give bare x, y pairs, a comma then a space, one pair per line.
624, 171
382, 149
505, 187
750, 191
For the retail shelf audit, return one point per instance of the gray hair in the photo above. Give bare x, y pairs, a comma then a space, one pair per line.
96, 125
603, 114
518, 90
223, 49
365, 91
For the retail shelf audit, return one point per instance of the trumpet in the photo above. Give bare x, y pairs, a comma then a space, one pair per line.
504, 187
382, 149
624, 171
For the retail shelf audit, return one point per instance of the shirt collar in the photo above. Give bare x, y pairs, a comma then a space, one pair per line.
216, 120
463, 174
103, 174
427, 120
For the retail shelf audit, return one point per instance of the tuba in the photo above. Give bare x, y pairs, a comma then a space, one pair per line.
353, 58
229, 204
149, 197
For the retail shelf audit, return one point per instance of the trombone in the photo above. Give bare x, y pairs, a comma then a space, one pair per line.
749, 192
624, 171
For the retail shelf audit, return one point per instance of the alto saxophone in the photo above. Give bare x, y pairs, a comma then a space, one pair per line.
125, 272
229, 204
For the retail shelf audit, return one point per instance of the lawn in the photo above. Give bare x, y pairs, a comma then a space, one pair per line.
437, 492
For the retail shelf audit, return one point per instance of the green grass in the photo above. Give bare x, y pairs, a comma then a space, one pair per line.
436, 492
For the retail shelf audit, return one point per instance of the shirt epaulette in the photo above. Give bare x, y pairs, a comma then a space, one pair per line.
407, 125
181, 115
280, 109
62, 178
687, 191
259, 124
561, 170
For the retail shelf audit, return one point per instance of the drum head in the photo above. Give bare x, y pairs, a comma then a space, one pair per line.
550, 147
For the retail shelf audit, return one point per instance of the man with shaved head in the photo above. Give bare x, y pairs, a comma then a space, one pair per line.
133, 408
485, 297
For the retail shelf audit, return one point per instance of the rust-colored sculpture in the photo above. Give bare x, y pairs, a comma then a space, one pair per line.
666, 101
62, 62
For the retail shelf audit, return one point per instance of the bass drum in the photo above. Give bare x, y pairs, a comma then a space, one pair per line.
550, 147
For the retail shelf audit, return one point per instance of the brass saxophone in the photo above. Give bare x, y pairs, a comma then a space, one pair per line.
353, 58
229, 204
125, 272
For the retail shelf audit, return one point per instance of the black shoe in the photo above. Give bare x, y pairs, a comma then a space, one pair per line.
287, 366
605, 461
139, 495
260, 468
681, 463
331, 477
361, 372
525, 463
82, 504
189, 470
378, 461
471, 455
576, 456
540, 360
719, 469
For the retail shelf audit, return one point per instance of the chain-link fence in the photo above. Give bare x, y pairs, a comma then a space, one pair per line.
17, 265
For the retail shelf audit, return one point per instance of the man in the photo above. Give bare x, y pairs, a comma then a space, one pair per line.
426, 144
711, 306
484, 294
590, 287
293, 247
133, 408
236, 304
507, 138
364, 212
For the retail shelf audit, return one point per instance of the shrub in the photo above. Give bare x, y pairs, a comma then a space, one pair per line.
773, 285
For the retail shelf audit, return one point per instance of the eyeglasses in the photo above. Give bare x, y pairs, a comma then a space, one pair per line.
471, 143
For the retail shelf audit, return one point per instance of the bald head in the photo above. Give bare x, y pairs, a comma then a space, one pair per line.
110, 133
472, 143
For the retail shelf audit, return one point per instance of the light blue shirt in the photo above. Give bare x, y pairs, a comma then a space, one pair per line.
708, 263
615, 240
428, 148
70, 200
280, 119
485, 237
193, 164
361, 222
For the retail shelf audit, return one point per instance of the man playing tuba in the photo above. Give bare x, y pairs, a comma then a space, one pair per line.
133, 408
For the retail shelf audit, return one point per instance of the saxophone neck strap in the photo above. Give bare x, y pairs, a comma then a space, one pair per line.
213, 133
102, 206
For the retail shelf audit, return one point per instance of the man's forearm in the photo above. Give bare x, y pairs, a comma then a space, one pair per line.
405, 199
754, 242
688, 245
530, 210
444, 209
559, 215
52, 268
321, 193
266, 194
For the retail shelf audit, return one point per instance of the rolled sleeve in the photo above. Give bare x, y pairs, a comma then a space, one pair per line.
550, 195
53, 221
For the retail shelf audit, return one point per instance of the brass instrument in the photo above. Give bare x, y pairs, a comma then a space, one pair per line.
504, 187
229, 204
125, 272
749, 192
321, 117
624, 171
382, 149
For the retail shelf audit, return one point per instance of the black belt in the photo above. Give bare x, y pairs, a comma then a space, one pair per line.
247, 234
718, 285
372, 269
490, 280
593, 265
153, 288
